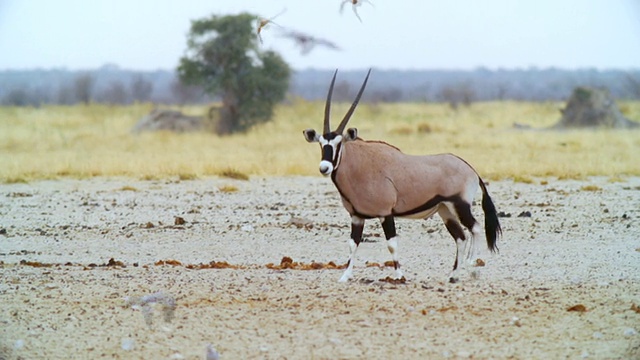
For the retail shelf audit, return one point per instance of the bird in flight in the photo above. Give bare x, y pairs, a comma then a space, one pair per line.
262, 22
307, 42
354, 5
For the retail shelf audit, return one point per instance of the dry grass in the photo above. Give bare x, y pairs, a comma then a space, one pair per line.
85, 141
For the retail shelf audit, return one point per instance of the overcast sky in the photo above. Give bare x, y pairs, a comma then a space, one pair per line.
401, 34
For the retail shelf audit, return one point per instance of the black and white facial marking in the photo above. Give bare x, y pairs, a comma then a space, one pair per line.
330, 144
330, 141
330, 152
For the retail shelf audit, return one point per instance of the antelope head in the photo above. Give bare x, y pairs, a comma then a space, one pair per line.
330, 141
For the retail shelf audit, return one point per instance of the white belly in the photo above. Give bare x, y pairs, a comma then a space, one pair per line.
423, 214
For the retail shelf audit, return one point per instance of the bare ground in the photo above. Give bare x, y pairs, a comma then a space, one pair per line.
565, 284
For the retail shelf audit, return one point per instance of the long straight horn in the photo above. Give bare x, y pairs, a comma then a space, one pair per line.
344, 121
327, 107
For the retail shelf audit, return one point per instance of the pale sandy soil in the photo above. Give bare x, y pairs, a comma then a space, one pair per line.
578, 247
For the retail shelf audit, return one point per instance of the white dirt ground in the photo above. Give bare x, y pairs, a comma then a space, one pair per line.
62, 298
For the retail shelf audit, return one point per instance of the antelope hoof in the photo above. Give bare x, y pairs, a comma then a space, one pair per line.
399, 274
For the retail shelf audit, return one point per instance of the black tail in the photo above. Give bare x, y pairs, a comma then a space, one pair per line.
491, 224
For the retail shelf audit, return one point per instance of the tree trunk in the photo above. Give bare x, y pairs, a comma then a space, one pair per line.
228, 115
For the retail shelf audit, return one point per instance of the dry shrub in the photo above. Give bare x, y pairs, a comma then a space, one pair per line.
523, 179
233, 174
424, 128
187, 176
228, 188
571, 176
616, 179
15, 180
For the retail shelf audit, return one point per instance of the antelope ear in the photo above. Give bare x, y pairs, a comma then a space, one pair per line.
352, 134
310, 135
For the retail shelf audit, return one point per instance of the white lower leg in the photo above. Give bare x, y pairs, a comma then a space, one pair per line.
474, 245
392, 245
348, 273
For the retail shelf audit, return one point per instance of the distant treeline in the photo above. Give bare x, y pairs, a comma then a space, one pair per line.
113, 85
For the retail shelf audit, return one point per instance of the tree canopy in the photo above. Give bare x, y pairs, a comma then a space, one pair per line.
224, 58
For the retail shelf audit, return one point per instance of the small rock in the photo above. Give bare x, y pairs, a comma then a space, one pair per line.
630, 332
516, 321
585, 354
212, 353
177, 356
247, 228
464, 354
299, 223
525, 214
598, 335
578, 308
19, 344
128, 344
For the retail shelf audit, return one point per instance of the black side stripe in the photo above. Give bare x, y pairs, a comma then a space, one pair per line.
430, 204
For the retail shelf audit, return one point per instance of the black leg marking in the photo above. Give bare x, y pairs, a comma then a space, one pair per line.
455, 229
457, 233
463, 209
356, 235
356, 232
389, 227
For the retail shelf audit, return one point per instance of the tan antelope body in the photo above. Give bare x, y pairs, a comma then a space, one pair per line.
377, 180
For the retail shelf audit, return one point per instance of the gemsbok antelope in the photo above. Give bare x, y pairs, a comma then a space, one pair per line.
377, 180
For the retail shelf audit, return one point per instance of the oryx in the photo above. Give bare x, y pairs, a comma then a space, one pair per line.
377, 180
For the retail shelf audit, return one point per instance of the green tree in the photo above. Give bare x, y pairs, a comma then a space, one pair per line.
224, 58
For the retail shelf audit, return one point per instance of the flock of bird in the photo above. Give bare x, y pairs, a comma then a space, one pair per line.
305, 41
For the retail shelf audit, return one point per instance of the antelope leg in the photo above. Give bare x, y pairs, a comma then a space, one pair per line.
357, 226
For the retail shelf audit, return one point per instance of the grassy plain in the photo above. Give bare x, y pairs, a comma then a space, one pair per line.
52, 142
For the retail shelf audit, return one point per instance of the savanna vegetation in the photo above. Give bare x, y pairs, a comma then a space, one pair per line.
225, 59
81, 141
